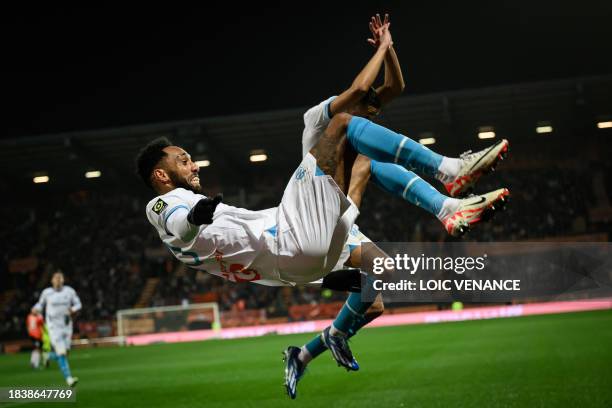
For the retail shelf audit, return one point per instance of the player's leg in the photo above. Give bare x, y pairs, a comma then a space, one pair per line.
316, 346
297, 358
458, 216
60, 340
46, 347
458, 174
354, 315
405, 184
336, 156
70, 380
35, 355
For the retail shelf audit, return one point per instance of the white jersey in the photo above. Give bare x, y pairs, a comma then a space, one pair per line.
58, 304
316, 120
235, 246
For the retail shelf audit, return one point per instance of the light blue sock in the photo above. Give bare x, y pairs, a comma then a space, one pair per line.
354, 308
359, 323
315, 346
53, 356
405, 184
384, 145
62, 360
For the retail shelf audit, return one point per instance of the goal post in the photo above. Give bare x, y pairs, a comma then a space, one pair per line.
165, 319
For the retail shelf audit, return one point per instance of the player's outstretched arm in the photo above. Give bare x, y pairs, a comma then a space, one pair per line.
185, 224
367, 76
203, 211
394, 80
76, 303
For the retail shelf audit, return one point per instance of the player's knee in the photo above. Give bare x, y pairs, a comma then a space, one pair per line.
341, 119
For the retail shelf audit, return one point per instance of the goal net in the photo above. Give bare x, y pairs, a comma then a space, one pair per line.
166, 319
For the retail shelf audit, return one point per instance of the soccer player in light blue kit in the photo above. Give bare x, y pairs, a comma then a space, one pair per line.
459, 176
60, 303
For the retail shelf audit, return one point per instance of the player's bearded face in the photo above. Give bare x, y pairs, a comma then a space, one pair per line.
189, 181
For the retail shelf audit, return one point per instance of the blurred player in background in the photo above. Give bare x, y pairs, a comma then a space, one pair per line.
35, 324
459, 175
60, 303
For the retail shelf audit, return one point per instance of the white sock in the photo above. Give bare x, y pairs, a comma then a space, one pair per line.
35, 358
304, 355
449, 206
449, 169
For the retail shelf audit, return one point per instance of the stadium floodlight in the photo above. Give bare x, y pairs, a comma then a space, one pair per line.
486, 132
40, 179
486, 135
203, 163
544, 129
604, 125
93, 174
258, 156
427, 140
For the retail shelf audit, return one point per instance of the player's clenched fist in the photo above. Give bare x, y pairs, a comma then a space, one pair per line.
203, 211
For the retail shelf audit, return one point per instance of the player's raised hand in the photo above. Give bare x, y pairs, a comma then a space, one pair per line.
202, 212
376, 24
384, 38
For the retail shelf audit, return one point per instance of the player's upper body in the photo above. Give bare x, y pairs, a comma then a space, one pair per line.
59, 302
34, 323
360, 99
232, 246
234, 243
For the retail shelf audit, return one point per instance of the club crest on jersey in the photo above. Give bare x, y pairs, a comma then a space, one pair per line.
300, 173
159, 206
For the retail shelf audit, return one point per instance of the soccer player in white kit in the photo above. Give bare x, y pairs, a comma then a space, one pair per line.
300, 241
59, 302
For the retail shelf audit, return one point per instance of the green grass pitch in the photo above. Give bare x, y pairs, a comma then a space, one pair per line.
538, 361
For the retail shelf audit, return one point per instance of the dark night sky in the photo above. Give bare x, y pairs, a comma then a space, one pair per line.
94, 68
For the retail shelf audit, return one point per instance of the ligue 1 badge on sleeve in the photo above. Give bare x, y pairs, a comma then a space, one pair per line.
159, 206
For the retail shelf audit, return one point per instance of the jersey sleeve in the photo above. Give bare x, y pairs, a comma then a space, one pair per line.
42, 301
318, 115
75, 302
316, 120
168, 214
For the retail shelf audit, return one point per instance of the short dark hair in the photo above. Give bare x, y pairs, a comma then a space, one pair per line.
149, 156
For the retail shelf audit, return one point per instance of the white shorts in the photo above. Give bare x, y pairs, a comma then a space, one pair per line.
314, 221
61, 338
354, 240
